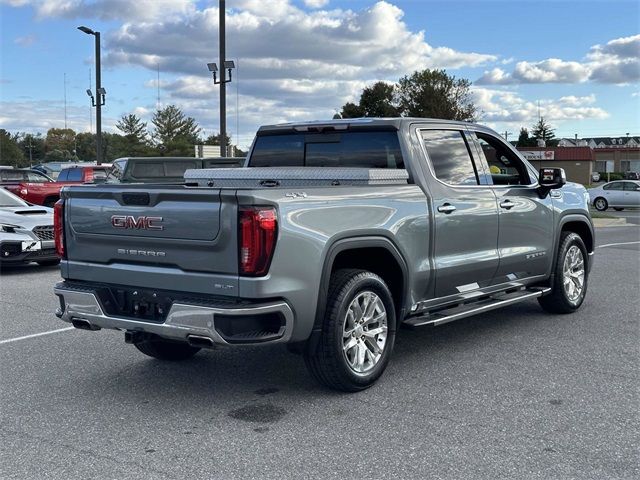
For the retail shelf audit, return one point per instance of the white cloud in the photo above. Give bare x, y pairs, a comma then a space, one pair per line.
25, 41
509, 109
108, 9
617, 62
316, 3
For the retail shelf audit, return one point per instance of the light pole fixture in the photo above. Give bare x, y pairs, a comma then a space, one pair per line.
101, 92
227, 65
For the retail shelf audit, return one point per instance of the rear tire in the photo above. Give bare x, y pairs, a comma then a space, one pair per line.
571, 276
166, 349
601, 204
358, 332
49, 263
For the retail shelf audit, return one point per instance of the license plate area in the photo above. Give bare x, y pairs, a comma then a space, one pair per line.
135, 303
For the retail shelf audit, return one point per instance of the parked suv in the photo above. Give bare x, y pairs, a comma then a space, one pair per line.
335, 235
163, 169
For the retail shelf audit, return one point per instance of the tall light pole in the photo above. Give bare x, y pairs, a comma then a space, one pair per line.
224, 65
100, 92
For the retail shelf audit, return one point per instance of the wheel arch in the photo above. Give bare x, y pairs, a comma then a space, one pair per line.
377, 254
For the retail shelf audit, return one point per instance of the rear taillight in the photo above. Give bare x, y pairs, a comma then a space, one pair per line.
258, 230
58, 227
24, 192
88, 176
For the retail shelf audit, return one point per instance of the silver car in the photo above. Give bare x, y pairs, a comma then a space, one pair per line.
26, 232
620, 194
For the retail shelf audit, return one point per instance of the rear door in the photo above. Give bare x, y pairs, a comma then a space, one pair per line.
631, 194
526, 222
175, 238
464, 212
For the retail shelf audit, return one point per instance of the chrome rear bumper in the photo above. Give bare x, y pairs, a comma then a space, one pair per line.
183, 320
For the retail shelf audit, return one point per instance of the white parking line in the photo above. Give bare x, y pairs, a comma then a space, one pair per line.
36, 335
616, 244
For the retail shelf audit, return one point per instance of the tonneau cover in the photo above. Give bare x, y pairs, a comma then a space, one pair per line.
293, 176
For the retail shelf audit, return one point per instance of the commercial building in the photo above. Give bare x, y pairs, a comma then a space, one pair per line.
612, 154
578, 162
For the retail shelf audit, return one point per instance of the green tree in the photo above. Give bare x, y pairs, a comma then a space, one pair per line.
136, 142
375, 101
33, 147
133, 128
62, 139
10, 151
543, 131
524, 140
86, 146
176, 132
434, 93
214, 139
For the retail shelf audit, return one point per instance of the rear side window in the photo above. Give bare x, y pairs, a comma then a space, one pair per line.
378, 149
449, 156
177, 169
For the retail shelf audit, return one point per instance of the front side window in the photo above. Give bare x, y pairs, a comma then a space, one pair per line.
505, 167
630, 186
449, 156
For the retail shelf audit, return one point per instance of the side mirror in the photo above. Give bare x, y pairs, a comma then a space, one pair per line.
551, 178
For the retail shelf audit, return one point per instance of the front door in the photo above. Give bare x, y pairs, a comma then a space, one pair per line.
465, 214
526, 237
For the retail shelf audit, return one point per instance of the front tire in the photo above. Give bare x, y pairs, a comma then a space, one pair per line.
166, 349
571, 276
601, 204
358, 332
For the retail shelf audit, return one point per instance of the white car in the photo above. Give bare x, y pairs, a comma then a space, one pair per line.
620, 194
26, 232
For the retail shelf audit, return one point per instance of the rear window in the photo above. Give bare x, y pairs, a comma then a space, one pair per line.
161, 169
347, 149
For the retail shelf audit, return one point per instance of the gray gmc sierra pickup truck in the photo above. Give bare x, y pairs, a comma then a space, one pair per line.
334, 235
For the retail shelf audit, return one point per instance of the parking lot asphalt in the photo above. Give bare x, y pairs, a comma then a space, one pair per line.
515, 393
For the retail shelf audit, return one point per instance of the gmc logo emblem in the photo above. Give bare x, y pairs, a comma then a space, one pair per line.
139, 223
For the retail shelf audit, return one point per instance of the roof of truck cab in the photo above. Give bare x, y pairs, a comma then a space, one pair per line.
374, 122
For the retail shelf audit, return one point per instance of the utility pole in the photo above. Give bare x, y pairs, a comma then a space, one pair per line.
223, 84
65, 101
100, 93
227, 65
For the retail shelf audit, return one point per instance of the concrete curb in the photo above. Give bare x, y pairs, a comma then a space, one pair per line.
609, 222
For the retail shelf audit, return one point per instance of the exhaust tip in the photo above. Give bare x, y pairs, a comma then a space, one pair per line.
200, 341
82, 324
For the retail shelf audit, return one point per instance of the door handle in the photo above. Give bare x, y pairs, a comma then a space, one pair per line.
446, 208
507, 204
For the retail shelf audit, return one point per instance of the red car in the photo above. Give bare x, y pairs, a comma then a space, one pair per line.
35, 187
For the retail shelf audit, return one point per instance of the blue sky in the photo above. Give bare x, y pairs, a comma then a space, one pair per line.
303, 59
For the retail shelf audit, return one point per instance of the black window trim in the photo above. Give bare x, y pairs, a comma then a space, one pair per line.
462, 130
526, 164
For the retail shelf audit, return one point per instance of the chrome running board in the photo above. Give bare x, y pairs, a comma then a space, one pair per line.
466, 310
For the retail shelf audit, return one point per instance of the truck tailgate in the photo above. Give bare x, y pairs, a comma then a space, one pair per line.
151, 236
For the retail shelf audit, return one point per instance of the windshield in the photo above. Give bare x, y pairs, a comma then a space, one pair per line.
9, 200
